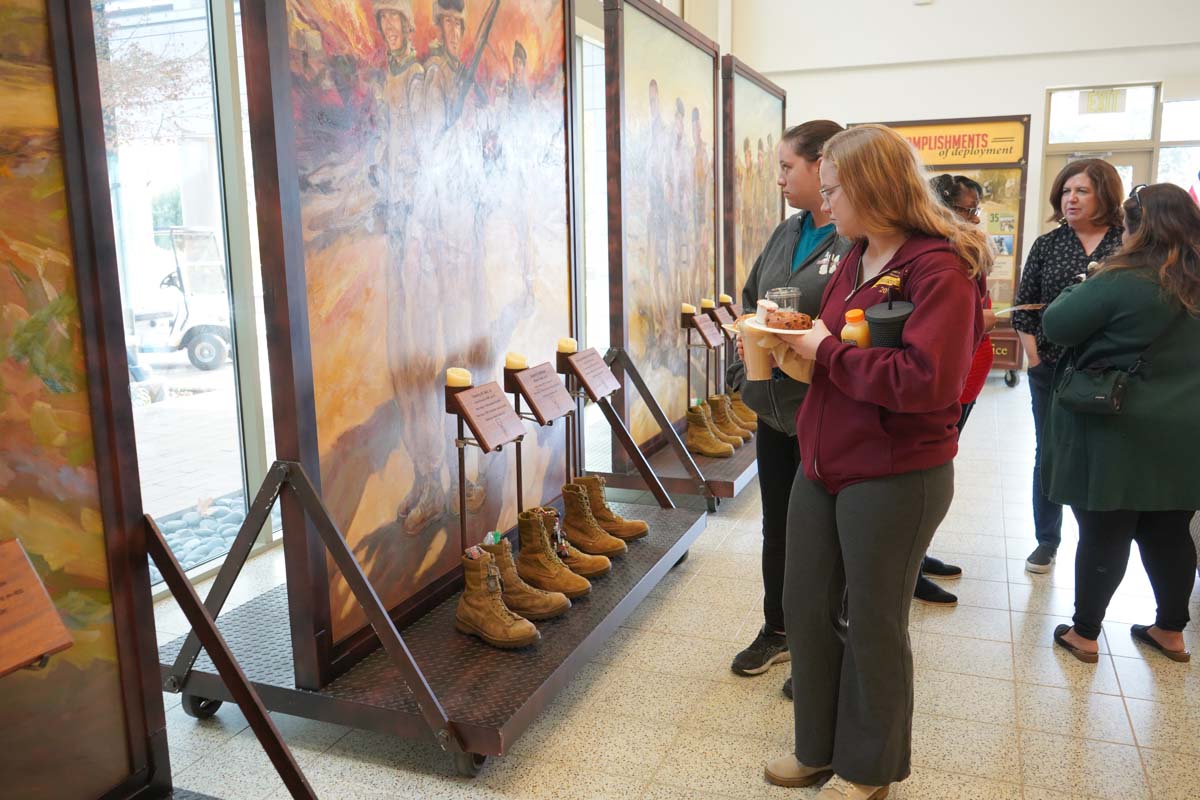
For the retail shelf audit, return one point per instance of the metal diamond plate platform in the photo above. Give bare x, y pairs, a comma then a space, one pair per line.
184, 794
490, 695
726, 477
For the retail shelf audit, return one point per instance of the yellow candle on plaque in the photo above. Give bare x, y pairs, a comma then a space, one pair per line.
707, 303
688, 308
515, 361
567, 345
458, 377
726, 299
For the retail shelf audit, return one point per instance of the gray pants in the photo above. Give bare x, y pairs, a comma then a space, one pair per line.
852, 563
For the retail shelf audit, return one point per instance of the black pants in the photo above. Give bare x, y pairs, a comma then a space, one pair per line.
778, 460
1047, 515
1168, 555
853, 559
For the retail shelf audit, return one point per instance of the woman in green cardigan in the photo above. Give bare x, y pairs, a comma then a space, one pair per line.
1131, 476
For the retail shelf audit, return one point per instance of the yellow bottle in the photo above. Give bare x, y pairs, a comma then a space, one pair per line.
856, 331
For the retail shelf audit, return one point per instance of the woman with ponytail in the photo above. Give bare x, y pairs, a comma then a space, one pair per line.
877, 438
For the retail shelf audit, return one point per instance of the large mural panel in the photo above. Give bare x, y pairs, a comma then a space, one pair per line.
757, 125
48, 489
667, 197
431, 150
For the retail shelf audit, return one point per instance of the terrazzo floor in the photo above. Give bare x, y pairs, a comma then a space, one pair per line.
1001, 714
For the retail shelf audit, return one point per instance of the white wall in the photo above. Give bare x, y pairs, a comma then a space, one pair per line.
860, 32
908, 64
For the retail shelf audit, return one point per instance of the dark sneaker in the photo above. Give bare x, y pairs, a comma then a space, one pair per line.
939, 569
1041, 559
787, 689
766, 649
930, 593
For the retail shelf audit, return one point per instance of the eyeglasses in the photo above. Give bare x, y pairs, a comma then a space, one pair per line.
1136, 193
970, 211
826, 191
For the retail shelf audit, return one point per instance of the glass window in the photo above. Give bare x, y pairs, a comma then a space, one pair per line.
156, 87
1180, 166
1181, 120
1113, 114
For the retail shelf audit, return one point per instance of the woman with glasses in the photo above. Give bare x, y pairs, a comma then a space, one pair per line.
1086, 198
1131, 476
877, 442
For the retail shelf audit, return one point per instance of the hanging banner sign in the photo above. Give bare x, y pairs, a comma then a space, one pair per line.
976, 143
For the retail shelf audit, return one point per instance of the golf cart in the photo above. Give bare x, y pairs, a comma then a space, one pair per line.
194, 310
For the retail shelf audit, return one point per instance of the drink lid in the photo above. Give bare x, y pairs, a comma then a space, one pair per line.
854, 315
899, 311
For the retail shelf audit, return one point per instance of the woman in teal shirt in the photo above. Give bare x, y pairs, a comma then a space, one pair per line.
1131, 476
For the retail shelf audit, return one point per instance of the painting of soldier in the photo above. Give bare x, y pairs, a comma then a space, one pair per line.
431, 152
756, 200
667, 200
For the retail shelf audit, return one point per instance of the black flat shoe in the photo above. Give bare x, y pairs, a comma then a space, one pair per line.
1142, 634
936, 568
1082, 655
930, 593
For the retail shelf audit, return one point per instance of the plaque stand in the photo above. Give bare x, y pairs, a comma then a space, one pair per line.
692, 322
31, 629
493, 425
548, 401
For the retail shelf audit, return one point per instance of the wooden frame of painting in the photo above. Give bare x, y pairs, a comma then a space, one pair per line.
645, 294
143, 767
369, 253
1005, 342
736, 240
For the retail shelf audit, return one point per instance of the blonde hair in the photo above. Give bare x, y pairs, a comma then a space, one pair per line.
884, 179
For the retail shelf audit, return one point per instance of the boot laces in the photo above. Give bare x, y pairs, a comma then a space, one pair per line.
495, 590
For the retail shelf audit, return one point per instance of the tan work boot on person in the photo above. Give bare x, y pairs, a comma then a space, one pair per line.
521, 598
788, 771
580, 526
700, 438
742, 412
481, 611
577, 561
538, 564
717, 406
736, 441
624, 529
839, 788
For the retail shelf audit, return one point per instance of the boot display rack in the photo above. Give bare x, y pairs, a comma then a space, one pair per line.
676, 468
427, 680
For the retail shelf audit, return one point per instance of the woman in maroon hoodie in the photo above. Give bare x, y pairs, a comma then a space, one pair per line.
877, 435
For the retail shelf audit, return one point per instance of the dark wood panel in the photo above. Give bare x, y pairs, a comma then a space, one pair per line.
85, 163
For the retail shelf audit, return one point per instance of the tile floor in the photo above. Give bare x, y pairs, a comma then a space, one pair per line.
658, 715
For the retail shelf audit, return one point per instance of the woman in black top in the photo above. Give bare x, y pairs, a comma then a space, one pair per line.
1086, 197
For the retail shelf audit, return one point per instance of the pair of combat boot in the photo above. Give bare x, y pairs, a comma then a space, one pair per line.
717, 429
504, 595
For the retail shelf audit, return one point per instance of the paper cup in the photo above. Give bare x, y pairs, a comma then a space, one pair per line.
793, 365
756, 347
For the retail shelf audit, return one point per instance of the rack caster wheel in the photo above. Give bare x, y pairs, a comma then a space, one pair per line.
1011, 378
199, 707
682, 559
469, 764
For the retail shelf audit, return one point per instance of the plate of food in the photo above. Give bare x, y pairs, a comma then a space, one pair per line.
778, 322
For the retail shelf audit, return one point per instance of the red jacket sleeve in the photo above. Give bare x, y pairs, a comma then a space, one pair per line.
928, 372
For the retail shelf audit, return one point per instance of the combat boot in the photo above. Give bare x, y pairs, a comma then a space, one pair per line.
581, 528
624, 529
538, 564
722, 421
481, 611
736, 441
700, 438
576, 560
519, 596
741, 412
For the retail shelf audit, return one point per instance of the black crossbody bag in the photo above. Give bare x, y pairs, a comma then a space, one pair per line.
1101, 389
